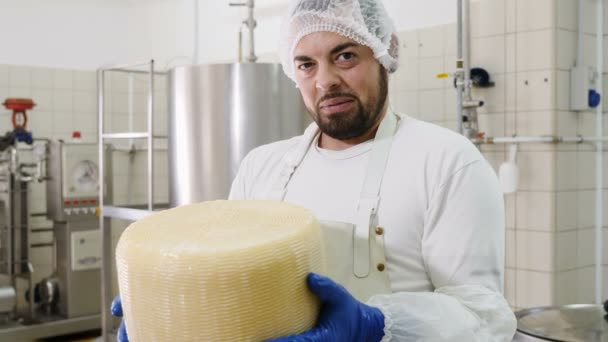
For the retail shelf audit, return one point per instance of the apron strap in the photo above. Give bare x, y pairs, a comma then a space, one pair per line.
369, 199
291, 161
370, 193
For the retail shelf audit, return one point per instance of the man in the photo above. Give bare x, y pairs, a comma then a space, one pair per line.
415, 207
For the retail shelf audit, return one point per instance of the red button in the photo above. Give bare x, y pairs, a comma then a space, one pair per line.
67, 202
93, 201
85, 201
76, 202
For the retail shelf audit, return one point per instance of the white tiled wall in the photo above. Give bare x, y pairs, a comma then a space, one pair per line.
415, 88
528, 47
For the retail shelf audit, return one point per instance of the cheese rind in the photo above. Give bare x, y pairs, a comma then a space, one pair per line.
220, 271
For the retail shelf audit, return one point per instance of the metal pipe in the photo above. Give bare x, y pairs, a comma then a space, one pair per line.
240, 47
130, 106
131, 141
124, 67
123, 213
14, 160
459, 11
128, 135
135, 71
581, 34
151, 139
599, 157
106, 237
251, 23
196, 33
137, 149
30, 280
459, 71
470, 121
543, 139
466, 49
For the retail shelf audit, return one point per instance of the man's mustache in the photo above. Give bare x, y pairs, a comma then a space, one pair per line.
335, 95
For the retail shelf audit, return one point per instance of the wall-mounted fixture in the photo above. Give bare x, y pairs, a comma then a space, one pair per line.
480, 78
583, 88
468, 124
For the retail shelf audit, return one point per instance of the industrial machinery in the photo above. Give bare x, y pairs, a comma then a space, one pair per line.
220, 112
570, 323
68, 300
217, 114
71, 205
15, 266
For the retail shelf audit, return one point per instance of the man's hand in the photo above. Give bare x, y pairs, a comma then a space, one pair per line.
342, 317
117, 312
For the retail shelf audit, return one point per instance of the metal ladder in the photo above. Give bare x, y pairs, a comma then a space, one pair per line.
106, 210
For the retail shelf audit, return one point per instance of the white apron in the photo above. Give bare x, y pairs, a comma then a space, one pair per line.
354, 251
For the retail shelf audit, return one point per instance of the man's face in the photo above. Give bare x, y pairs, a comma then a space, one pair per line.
342, 84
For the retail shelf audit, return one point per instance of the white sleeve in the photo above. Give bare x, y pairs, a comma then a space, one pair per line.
463, 250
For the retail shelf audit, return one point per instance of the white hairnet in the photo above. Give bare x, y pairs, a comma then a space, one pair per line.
364, 21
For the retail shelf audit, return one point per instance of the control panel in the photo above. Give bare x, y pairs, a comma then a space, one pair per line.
73, 187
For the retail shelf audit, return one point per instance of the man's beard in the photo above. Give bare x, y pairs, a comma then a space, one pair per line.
355, 122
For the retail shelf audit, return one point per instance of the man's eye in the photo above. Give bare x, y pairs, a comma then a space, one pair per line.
305, 66
346, 56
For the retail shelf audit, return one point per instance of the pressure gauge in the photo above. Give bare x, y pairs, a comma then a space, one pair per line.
85, 176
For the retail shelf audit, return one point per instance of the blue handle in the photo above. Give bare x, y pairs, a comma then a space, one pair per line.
594, 98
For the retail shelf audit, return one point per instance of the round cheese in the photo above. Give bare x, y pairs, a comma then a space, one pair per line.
220, 271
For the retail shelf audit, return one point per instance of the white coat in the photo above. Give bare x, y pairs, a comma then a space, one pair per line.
443, 213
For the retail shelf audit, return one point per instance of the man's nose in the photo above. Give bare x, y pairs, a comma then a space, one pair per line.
327, 79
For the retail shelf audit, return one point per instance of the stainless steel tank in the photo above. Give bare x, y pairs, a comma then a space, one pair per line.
570, 323
217, 114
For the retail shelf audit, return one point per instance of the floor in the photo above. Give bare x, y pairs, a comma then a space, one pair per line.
92, 336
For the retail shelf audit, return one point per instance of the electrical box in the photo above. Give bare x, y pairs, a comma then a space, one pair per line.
583, 93
86, 250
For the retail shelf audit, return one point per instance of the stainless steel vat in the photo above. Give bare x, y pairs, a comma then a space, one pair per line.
570, 323
217, 114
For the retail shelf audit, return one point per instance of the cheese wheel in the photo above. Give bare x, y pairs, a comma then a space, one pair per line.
220, 271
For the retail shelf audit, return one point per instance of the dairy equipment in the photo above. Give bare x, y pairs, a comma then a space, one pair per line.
217, 114
15, 266
570, 323
71, 205
68, 300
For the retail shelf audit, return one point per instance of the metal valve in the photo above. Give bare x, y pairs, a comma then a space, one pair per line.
251, 24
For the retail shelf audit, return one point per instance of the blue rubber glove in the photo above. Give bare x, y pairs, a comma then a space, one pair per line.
342, 317
117, 312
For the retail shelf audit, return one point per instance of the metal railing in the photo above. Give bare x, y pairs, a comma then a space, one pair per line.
106, 210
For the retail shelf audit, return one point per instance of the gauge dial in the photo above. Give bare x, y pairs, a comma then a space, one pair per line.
85, 176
